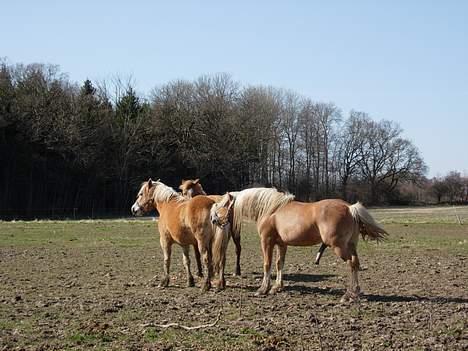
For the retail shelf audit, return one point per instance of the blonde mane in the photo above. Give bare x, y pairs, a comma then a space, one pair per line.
164, 193
256, 203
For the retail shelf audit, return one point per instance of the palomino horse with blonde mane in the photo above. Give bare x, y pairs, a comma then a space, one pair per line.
281, 222
192, 188
185, 222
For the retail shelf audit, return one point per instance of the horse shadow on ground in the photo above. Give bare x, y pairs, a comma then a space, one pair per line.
306, 277
413, 298
294, 277
302, 289
299, 277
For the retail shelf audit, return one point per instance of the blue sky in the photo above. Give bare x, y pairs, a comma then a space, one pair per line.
405, 61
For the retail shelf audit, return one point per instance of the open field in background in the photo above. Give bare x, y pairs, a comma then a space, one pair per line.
92, 284
440, 214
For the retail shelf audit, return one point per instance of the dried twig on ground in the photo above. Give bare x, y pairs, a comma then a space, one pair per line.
177, 325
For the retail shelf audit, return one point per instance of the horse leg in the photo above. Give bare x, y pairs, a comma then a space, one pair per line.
267, 250
237, 242
354, 288
206, 257
281, 254
198, 260
349, 255
167, 248
354, 291
221, 280
218, 249
186, 260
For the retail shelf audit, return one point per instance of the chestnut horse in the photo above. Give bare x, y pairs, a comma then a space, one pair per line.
192, 188
185, 222
281, 222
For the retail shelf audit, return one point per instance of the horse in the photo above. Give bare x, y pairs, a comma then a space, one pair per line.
191, 188
185, 222
282, 222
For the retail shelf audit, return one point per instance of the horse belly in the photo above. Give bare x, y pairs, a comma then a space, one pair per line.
298, 232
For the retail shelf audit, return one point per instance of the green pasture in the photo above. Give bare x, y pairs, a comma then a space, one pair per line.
425, 227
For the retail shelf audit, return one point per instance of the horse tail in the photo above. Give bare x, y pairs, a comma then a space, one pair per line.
219, 246
368, 227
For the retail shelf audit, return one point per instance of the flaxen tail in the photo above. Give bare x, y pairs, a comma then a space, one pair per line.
368, 227
219, 246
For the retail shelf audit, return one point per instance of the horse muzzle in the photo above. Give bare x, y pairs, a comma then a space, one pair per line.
217, 221
214, 219
136, 210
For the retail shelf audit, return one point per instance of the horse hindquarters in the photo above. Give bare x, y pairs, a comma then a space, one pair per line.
369, 228
342, 235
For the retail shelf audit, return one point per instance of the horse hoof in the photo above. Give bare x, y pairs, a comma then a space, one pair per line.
344, 298
190, 282
237, 273
205, 287
261, 292
220, 285
350, 297
164, 283
275, 289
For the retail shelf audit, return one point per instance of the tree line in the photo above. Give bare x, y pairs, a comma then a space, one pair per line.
86, 147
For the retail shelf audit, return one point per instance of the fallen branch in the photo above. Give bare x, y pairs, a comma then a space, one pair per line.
177, 325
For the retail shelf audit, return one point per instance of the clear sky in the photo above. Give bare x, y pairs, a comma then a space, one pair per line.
405, 61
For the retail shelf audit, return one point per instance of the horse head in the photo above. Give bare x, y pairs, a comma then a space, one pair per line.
191, 188
145, 198
221, 211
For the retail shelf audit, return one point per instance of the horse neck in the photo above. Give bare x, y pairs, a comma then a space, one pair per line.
197, 192
163, 206
166, 194
256, 203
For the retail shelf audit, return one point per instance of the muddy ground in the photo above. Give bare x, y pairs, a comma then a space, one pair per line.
92, 285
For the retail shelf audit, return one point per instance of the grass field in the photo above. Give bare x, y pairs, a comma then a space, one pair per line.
92, 285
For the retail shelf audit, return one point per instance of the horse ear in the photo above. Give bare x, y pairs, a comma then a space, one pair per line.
150, 183
196, 181
231, 200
